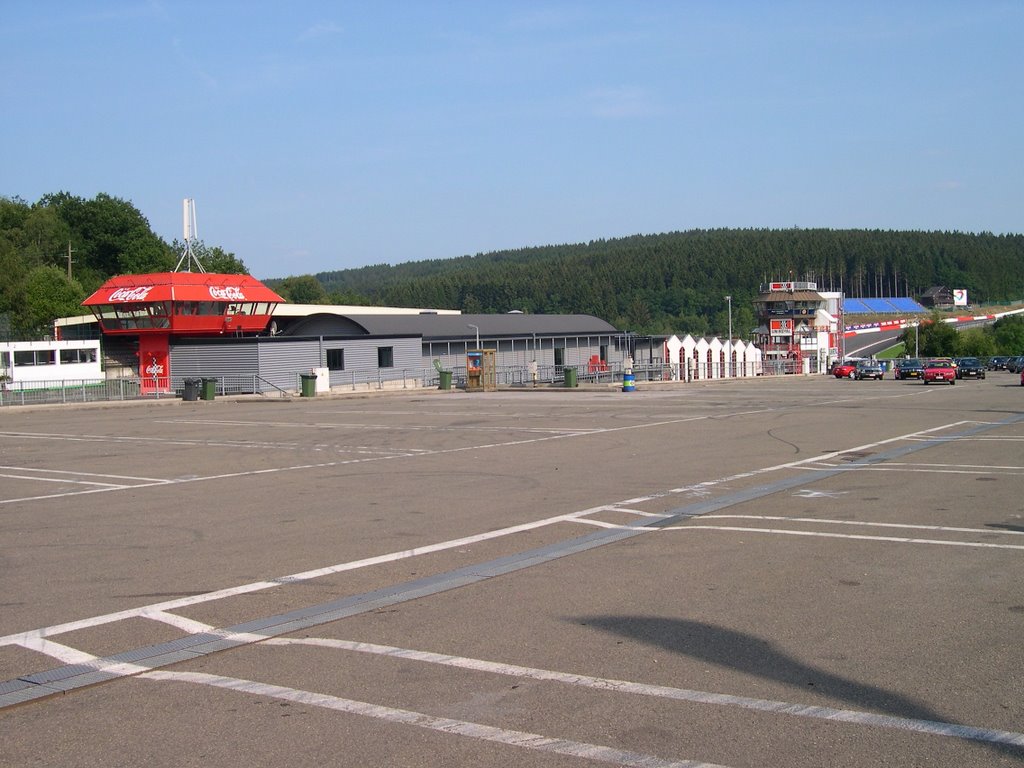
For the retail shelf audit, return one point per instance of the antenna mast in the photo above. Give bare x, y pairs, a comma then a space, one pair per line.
187, 257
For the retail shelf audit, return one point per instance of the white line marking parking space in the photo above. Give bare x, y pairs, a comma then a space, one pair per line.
666, 692
531, 741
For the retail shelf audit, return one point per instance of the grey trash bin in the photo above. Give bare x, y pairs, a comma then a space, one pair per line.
191, 389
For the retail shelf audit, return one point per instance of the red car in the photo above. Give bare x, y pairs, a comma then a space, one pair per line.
940, 370
844, 370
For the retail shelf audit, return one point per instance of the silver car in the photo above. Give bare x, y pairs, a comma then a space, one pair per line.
868, 369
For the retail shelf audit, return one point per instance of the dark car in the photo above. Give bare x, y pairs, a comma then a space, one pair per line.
911, 368
969, 368
868, 369
1015, 364
998, 362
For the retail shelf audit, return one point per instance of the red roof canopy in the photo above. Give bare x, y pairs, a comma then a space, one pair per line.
181, 286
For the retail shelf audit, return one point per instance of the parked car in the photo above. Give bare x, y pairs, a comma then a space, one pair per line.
1015, 364
969, 368
939, 370
868, 369
911, 368
844, 369
998, 362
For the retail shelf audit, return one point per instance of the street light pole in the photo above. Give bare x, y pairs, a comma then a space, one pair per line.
477, 329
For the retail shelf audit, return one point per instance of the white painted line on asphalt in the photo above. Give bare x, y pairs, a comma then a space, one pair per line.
959, 466
917, 470
39, 471
866, 523
666, 692
388, 427
58, 651
66, 480
20, 638
75, 656
852, 536
190, 626
532, 741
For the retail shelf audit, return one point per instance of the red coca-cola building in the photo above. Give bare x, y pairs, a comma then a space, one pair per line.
155, 307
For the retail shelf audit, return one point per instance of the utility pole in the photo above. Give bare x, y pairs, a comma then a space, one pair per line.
70, 262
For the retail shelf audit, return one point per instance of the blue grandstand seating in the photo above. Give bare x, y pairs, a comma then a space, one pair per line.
904, 304
880, 306
886, 306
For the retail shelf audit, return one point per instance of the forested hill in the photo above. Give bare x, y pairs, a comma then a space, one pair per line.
656, 283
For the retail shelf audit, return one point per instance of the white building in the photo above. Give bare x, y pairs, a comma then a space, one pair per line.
33, 363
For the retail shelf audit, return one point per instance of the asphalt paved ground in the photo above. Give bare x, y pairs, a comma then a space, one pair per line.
771, 572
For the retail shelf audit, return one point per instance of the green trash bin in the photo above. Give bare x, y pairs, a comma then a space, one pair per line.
308, 384
208, 389
444, 379
570, 377
190, 390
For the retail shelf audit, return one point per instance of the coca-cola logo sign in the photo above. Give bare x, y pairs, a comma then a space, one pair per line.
230, 293
131, 294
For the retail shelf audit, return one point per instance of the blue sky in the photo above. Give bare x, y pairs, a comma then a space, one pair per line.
317, 136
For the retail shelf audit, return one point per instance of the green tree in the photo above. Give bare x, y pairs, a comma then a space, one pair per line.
1008, 335
47, 295
976, 342
302, 289
212, 258
934, 338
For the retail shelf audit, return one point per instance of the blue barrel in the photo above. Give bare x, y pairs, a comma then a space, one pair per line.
629, 382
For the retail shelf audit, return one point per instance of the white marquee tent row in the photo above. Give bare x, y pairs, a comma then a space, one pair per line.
703, 358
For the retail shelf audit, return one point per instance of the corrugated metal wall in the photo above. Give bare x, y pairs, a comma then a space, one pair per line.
361, 356
279, 361
230, 358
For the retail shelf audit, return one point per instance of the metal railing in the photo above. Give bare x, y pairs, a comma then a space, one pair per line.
79, 391
135, 388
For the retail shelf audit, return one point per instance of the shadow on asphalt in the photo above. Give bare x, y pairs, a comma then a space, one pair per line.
756, 656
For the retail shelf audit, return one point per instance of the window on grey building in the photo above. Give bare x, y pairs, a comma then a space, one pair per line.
336, 359
559, 356
385, 357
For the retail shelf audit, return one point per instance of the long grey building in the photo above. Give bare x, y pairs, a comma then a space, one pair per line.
375, 345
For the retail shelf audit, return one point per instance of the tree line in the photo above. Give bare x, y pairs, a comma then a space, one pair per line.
934, 338
678, 281
664, 283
